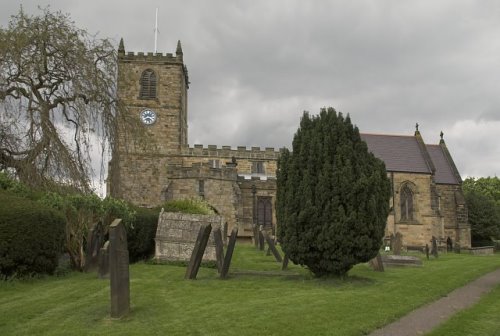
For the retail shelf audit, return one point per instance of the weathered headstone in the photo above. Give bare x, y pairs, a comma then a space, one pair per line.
198, 250
391, 241
377, 264
434, 249
261, 239
397, 244
219, 249
256, 236
449, 244
284, 266
427, 251
95, 238
229, 253
272, 247
103, 267
118, 270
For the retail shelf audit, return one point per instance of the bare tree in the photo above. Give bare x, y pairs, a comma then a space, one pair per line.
57, 97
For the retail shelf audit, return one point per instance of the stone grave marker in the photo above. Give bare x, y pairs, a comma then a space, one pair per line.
377, 264
397, 244
434, 249
103, 265
198, 250
95, 237
219, 249
261, 239
427, 251
284, 266
272, 247
256, 236
391, 241
229, 253
118, 270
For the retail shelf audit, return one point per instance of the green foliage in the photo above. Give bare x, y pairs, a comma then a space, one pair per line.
189, 206
31, 237
333, 196
484, 216
489, 186
141, 234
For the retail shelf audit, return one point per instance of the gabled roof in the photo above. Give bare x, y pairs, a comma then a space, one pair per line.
400, 153
444, 171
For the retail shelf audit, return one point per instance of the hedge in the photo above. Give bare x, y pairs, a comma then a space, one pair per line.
141, 234
31, 237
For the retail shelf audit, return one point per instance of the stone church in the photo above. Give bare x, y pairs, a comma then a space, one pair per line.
240, 182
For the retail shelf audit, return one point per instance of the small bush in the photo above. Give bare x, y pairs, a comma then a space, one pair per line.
31, 237
190, 206
141, 234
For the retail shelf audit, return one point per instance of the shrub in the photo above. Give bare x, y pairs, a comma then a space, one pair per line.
141, 234
332, 197
190, 206
31, 237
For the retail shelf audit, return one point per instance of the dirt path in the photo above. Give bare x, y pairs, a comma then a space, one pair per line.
426, 318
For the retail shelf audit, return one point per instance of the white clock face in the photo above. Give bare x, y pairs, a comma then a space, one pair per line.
148, 117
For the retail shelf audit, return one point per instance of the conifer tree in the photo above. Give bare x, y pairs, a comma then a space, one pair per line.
333, 196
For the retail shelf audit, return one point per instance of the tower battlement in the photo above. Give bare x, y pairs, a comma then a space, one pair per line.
227, 152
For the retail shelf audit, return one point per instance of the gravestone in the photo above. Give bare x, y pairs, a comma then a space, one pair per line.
272, 247
391, 241
103, 265
229, 253
284, 266
397, 244
118, 270
427, 251
261, 239
401, 261
198, 251
256, 236
434, 249
377, 263
95, 238
449, 244
219, 249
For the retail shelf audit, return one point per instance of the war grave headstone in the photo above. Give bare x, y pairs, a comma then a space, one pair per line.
103, 265
229, 253
198, 251
119, 270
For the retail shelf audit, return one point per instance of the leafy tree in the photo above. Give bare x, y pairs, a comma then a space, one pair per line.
333, 196
57, 96
483, 202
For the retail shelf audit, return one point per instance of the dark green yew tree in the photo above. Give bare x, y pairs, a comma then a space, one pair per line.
333, 196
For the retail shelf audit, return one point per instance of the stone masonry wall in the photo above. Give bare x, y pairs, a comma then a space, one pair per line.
177, 232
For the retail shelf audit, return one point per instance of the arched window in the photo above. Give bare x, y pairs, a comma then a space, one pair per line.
406, 203
148, 84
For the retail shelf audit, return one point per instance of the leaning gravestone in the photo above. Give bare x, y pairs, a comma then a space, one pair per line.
284, 266
118, 270
103, 265
229, 253
219, 248
272, 248
434, 249
397, 244
198, 251
377, 263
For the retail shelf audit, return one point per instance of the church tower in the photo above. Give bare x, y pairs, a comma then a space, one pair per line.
152, 130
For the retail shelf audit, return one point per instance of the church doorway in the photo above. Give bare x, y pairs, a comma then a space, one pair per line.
264, 212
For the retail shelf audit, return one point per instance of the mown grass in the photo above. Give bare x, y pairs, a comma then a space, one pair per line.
482, 319
162, 303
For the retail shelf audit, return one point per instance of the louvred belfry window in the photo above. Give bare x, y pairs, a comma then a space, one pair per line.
148, 84
406, 203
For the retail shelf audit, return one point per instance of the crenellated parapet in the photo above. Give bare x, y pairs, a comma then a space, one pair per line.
201, 171
150, 56
228, 152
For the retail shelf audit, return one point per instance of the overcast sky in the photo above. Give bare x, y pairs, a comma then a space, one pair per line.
255, 66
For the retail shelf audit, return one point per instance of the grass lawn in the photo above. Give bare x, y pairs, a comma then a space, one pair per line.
163, 303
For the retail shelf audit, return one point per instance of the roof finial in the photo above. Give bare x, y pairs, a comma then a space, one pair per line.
441, 135
416, 127
121, 47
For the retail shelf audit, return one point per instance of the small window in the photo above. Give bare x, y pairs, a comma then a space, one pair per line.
201, 187
406, 204
148, 84
214, 163
258, 167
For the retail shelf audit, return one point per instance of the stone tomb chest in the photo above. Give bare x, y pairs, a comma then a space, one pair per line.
177, 232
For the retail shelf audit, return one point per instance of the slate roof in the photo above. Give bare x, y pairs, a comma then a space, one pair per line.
402, 153
399, 152
444, 171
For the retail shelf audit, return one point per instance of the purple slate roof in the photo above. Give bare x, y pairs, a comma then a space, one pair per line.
444, 172
399, 152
